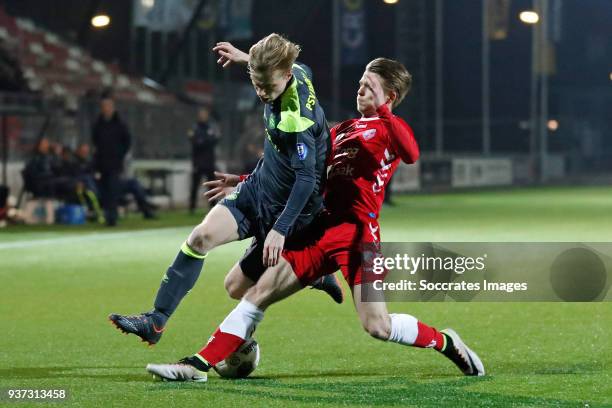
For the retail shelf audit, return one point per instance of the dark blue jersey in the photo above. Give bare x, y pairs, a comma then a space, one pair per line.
290, 178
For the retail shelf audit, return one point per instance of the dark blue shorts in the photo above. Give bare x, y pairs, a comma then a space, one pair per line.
243, 204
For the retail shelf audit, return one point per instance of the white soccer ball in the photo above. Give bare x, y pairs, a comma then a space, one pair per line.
241, 363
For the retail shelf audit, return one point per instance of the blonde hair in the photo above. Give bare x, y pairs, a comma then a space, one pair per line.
271, 53
395, 77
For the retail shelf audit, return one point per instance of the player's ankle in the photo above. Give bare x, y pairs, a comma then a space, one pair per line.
447, 348
197, 362
159, 318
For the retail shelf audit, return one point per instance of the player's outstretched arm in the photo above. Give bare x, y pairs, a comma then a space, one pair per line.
228, 54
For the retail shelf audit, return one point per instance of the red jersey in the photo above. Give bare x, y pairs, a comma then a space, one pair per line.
365, 154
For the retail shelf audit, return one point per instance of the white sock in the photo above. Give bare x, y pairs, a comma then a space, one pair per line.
404, 329
243, 320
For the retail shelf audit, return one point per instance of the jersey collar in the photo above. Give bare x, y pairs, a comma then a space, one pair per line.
363, 119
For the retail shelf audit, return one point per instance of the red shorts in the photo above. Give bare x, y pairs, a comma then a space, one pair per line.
334, 243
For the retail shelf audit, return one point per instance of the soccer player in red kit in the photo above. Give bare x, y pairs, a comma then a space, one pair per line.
366, 152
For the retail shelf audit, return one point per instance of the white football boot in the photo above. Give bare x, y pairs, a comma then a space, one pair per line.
181, 371
463, 356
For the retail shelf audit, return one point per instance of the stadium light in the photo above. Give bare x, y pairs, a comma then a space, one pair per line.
610, 76
100, 21
390, 1
529, 17
553, 125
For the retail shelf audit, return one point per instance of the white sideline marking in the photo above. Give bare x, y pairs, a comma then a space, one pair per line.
80, 238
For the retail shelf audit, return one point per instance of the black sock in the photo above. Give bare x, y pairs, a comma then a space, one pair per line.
451, 352
197, 362
178, 281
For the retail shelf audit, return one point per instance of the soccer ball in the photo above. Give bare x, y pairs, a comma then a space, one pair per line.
241, 363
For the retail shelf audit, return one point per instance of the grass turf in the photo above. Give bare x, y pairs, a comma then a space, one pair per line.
59, 284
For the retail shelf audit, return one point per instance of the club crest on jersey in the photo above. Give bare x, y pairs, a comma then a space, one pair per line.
302, 150
368, 134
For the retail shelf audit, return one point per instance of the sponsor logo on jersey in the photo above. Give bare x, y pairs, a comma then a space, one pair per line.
302, 150
361, 126
349, 152
368, 134
342, 171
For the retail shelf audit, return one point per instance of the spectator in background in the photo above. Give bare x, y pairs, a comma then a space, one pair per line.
132, 186
56, 150
203, 136
127, 186
84, 167
38, 177
38, 174
112, 141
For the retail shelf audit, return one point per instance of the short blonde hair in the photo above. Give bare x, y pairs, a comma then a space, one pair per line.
395, 77
273, 52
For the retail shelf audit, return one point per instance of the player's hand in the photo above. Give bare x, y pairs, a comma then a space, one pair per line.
273, 247
375, 86
228, 54
218, 193
222, 186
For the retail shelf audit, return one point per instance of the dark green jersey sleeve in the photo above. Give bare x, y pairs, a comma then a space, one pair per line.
303, 150
303, 161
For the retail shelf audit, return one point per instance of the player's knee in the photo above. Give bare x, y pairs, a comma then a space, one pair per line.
233, 288
200, 239
377, 326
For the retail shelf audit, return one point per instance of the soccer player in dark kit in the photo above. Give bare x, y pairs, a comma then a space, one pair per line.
281, 196
366, 152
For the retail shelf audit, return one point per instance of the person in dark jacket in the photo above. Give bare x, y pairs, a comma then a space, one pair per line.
111, 140
203, 137
45, 175
127, 186
38, 173
84, 169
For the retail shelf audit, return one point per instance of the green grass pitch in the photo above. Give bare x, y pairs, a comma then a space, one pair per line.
59, 284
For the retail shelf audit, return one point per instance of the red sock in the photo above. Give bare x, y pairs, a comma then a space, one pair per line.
429, 337
220, 346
